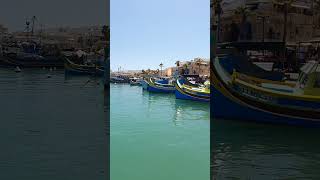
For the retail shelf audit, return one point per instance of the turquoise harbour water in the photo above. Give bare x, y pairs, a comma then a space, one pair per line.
51, 128
242, 150
154, 136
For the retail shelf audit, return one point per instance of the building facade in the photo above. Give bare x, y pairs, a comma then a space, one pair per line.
265, 19
197, 66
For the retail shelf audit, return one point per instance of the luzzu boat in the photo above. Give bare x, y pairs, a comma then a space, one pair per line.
152, 85
77, 69
135, 82
189, 91
253, 99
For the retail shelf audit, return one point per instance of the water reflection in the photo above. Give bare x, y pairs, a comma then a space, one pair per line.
51, 126
258, 151
190, 110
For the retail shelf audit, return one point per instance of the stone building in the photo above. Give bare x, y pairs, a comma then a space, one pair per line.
197, 66
264, 20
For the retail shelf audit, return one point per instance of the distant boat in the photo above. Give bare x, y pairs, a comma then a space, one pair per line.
29, 55
17, 69
135, 82
116, 79
78, 69
188, 91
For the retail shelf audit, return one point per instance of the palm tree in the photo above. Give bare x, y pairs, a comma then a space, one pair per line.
243, 12
161, 65
177, 63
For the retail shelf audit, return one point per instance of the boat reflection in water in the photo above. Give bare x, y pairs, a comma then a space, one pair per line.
190, 110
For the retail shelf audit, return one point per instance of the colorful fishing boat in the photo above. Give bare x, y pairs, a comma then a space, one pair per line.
189, 91
31, 55
255, 99
273, 103
152, 85
78, 69
135, 82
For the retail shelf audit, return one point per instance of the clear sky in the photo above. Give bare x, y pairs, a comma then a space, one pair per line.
52, 13
145, 33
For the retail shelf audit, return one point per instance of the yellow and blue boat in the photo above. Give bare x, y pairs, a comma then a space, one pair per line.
152, 85
188, 91
78, 69
254, 99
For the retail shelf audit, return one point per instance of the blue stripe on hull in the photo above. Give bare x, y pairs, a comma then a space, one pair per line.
180, 95
154, 89
223, 108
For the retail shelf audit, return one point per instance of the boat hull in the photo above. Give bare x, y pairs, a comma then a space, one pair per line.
229, 109
230, 104
150, 86
160, 89
144, 84
181, 94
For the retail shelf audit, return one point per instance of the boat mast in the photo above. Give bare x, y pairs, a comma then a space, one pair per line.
27, 28
33, 27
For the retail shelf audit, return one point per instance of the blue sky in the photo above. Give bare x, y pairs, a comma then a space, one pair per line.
145, 33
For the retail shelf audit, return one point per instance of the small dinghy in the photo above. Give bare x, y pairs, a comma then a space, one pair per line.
17, 69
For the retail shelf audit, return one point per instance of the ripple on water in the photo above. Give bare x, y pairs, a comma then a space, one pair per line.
52, 126
157, 136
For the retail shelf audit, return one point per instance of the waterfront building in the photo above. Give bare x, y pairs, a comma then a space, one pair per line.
170, 71
89, 39
263, 20
197, 66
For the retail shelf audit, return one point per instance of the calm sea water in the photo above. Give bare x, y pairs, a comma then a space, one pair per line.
242, 150
155, 136
51, 128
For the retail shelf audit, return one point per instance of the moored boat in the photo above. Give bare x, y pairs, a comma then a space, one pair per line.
78, 69
267, 101
31, 55
135, 82
189, 91
152, 85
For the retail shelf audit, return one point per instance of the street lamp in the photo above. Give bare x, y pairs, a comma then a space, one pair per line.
161, 65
